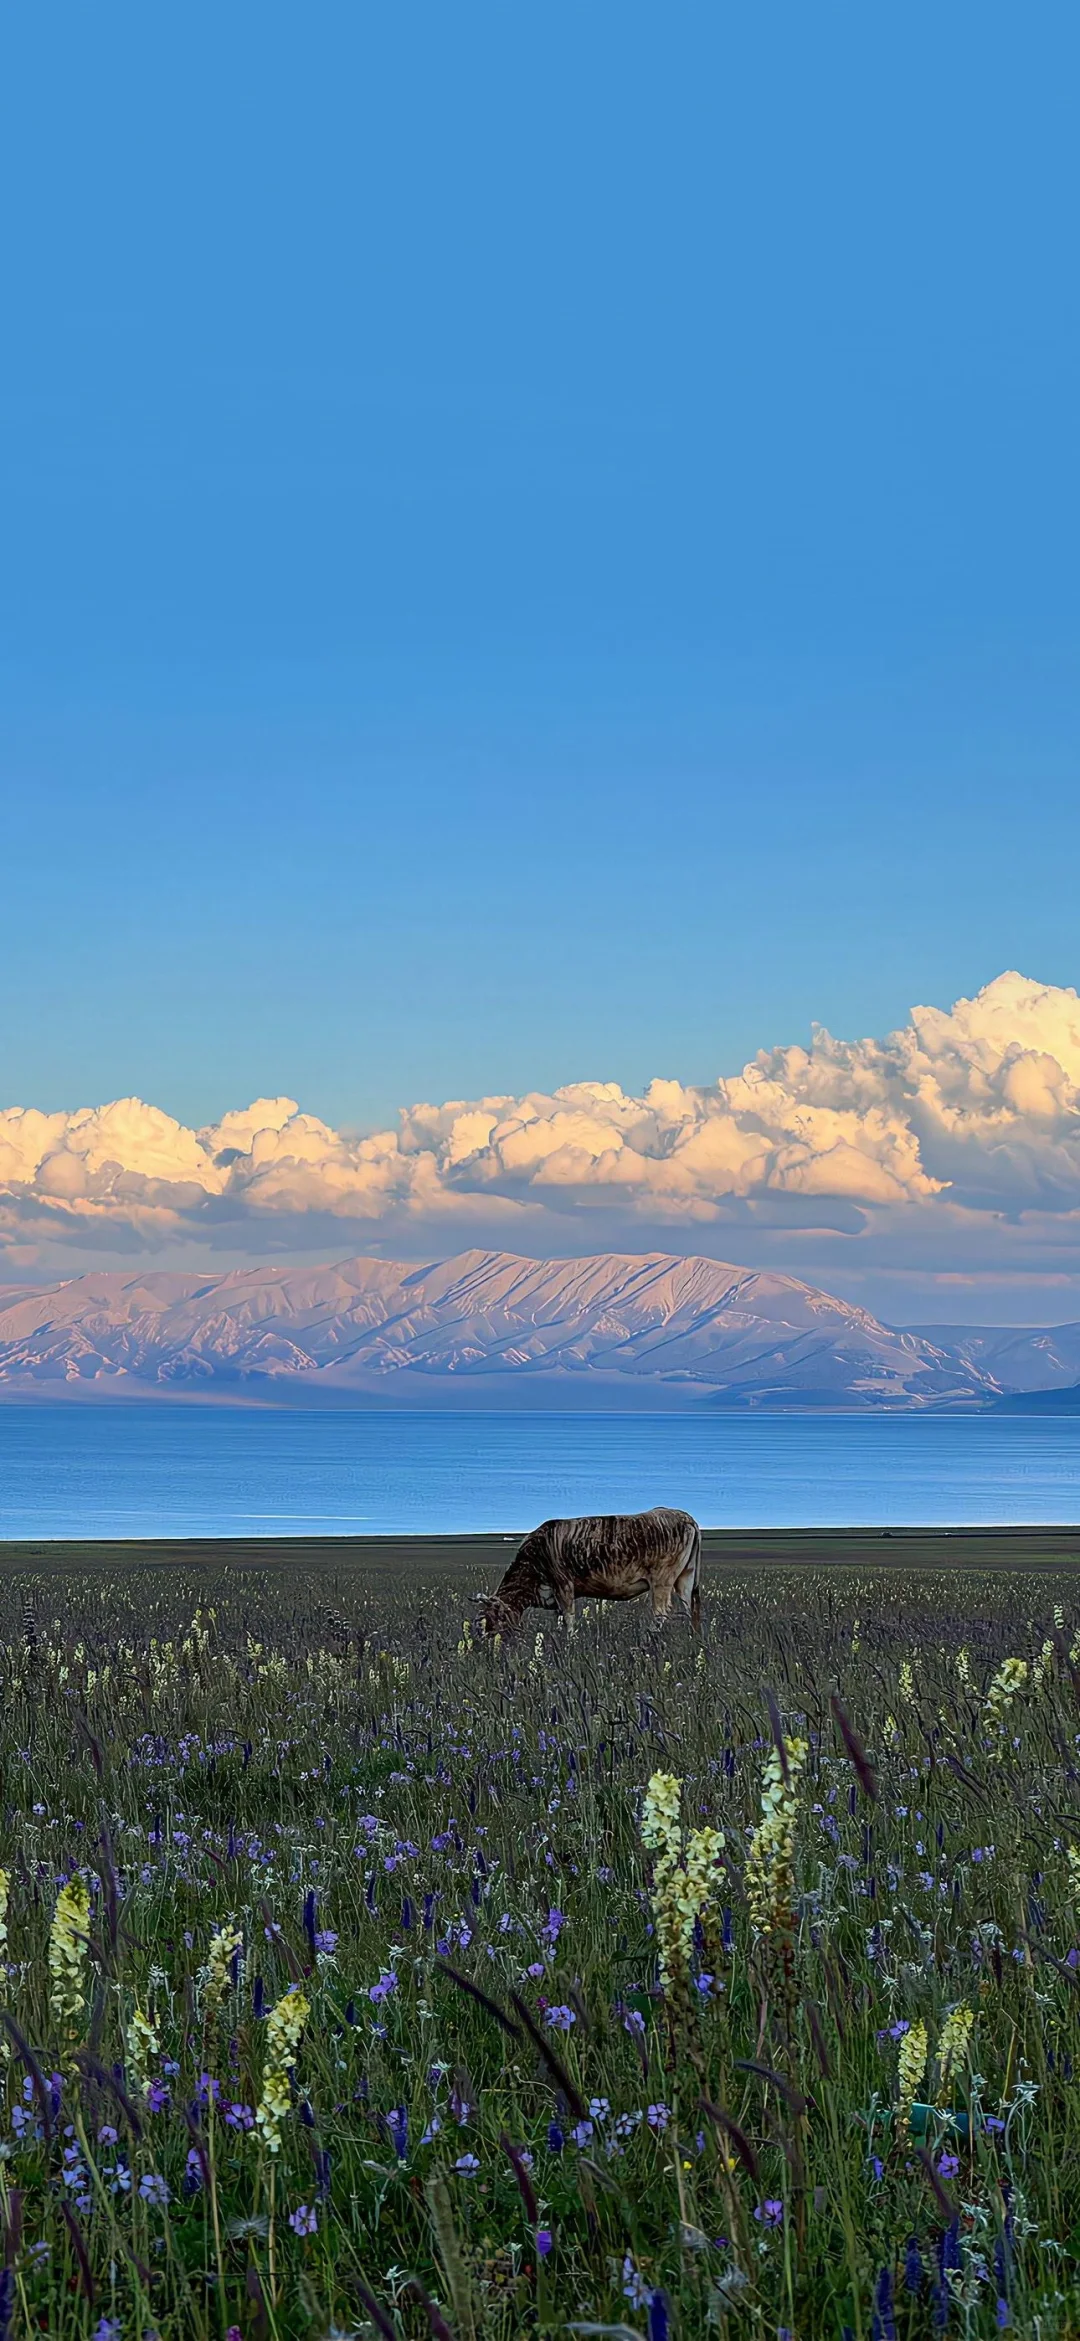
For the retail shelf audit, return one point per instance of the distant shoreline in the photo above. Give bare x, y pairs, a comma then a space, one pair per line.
734, 1550
607, 1399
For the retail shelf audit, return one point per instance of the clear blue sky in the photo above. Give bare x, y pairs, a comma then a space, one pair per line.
536, 543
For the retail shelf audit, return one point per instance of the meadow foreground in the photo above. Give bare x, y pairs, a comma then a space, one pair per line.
361, 1978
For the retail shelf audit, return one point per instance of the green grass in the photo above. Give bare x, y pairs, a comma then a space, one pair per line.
229, 1743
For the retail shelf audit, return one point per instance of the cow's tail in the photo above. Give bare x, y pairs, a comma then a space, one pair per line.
695, 1591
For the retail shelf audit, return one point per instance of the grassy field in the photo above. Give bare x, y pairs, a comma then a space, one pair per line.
357, 1982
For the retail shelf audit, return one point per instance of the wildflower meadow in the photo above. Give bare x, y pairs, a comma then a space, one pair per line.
360, 1977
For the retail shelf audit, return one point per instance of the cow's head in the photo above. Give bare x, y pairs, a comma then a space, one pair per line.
499, 1617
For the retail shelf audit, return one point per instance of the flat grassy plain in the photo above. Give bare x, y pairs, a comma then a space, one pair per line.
481, 2114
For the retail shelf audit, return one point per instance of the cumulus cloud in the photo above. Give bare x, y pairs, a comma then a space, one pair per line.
952, 1142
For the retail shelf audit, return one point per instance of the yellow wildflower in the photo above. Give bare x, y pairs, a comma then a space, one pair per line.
223, 1949
1010, 1678
770, 1862
661, 1829
954, 2042
284, 2026
912, 2066
661, 1832
143, 2048
68, 1949
682, 1888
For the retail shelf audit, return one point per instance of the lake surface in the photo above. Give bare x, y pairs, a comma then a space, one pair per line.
131, 1471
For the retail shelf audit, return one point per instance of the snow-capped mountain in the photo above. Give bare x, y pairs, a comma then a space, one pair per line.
484, 1328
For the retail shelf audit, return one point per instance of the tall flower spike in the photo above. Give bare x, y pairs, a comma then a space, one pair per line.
1009, 1680
911, 2067
661, 1833
142, 2045
69, 1946
682, 1882
770, 1863
284, 2026
223, 1949
954, 2042
5, 1890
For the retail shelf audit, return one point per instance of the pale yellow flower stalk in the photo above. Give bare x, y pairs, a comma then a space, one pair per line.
5, 1890
770, 1862
661, 1828
907, 1682
892, 1733
284, 2026
661, 1833
1010, 1679
1044, 1665
703, 1850
223, 1949
963, 1666
682, 1885
911, 2067
143, 2048
954, 2042
68, 1950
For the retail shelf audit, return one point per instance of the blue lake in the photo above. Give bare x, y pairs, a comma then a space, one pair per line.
132, 1471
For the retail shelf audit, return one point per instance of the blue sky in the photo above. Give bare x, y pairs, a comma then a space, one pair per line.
537, 544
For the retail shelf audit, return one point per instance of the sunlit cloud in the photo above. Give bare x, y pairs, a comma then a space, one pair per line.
950, 1146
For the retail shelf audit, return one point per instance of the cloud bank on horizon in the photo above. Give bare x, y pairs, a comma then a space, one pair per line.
950, 1145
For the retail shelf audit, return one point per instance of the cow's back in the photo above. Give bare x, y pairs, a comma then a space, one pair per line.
618, 1551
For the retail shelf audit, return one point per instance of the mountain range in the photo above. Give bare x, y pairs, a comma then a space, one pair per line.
494, 1329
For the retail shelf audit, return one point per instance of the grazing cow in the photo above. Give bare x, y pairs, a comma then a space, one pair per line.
613, 1557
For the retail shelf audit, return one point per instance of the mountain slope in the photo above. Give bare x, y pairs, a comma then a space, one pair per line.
613, 1328
1016, 1357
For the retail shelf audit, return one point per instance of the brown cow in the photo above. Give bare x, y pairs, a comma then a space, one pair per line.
611, 1557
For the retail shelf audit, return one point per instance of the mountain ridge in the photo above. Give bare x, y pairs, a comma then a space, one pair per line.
487, 1327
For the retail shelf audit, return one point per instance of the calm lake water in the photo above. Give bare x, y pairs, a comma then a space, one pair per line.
147, 1470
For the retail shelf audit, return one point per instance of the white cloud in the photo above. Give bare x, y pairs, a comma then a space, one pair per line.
953, 1144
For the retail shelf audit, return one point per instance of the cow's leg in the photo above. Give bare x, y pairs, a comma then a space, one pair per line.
687, 1592
661, 1590
562, 1585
